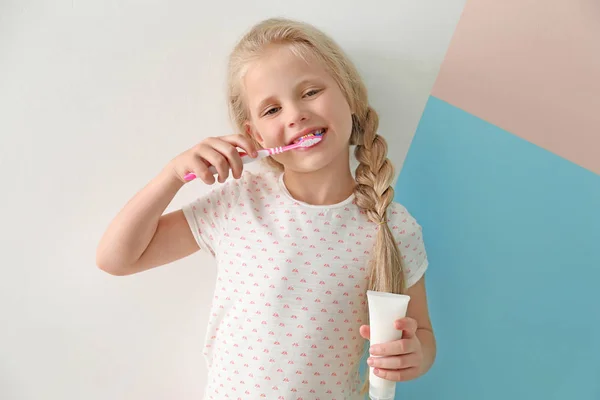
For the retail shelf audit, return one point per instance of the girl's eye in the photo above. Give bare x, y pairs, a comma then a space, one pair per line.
271, 111
312, 92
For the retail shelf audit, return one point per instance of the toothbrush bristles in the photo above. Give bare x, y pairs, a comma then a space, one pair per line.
311, 142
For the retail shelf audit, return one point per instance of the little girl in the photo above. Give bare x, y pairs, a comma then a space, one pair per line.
297, 247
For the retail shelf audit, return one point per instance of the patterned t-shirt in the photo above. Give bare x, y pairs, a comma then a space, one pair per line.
290, 295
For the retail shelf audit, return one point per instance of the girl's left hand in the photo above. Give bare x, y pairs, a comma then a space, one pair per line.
399, 360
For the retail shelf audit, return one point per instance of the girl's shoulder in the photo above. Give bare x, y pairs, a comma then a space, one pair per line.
262, 178
224, 198
400, 218
247, 193
250, 182
404, 226
254, 184
408, 234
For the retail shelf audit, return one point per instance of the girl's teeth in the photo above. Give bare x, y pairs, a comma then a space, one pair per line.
319, 132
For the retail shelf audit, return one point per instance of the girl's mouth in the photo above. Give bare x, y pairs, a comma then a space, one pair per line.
317, 132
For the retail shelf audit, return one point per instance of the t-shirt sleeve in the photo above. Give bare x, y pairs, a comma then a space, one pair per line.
209, 214
409, 236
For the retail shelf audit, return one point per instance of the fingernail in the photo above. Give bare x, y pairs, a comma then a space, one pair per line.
374, 349
370, 362
376, 370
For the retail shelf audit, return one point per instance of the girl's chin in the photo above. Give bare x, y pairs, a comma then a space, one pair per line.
310, 163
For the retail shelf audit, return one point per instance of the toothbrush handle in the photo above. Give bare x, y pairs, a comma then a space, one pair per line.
246, 159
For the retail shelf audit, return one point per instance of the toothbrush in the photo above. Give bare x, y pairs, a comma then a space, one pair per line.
306, 141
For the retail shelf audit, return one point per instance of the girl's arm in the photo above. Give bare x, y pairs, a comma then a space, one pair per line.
140, 237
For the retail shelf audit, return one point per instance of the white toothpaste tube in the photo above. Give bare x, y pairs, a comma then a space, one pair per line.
384, 309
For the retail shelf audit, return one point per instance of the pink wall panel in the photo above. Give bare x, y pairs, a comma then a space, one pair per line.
531, 67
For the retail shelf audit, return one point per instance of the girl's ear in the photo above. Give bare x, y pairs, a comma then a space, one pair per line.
253, 133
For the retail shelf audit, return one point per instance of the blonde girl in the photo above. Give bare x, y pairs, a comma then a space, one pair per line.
298, 246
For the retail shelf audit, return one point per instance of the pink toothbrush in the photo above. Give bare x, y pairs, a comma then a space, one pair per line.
307, 141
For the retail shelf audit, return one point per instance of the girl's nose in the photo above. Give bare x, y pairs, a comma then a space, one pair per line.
296, 116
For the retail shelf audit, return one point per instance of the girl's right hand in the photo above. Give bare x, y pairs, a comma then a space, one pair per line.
219, 152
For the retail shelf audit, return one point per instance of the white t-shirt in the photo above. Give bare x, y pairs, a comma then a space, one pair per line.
291, 289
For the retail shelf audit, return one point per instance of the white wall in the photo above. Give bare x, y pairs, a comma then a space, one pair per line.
95, 97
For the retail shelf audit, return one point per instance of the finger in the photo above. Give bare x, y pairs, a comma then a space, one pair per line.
408, 326
397, 375
231, 154
200, 171
217, 160
365, 331
394, 348
243, 142
395, 362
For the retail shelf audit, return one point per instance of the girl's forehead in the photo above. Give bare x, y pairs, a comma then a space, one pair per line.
284, 59
282, 66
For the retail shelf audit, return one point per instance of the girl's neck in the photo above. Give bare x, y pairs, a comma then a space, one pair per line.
323, 187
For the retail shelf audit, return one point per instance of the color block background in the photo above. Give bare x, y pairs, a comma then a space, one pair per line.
503, 175
96, 97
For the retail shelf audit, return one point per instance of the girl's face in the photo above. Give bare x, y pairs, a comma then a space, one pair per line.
287, 98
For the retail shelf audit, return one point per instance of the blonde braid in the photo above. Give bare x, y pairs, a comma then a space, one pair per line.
374, 194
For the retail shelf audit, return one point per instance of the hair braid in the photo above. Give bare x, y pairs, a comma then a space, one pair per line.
374, 194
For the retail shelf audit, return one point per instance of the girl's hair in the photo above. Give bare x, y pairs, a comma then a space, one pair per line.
374, 173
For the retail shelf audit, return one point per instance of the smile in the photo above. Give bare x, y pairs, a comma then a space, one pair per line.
316, 132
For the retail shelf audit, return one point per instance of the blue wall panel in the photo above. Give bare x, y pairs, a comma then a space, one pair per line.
513, 236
